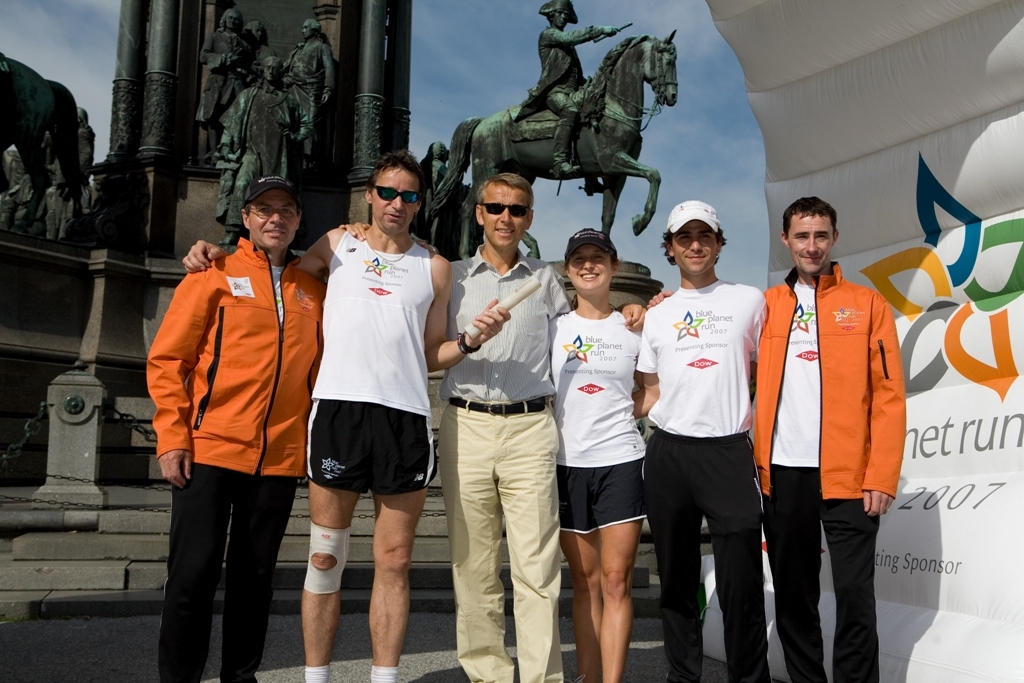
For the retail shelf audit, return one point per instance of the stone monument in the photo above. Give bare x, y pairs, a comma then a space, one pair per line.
98, 294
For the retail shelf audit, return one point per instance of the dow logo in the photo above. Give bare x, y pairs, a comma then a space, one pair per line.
591, 389
703, 363
809, 356
379, 292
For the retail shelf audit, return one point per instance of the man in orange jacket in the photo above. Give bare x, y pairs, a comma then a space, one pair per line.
231, 373
828, 440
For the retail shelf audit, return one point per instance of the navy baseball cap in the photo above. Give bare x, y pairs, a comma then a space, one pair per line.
590, 236
270, 182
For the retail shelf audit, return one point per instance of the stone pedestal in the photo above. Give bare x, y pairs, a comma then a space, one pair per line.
633, 284
75, 402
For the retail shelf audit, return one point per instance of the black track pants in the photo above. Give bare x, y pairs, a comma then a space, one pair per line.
794, 517
258, 508
686, 479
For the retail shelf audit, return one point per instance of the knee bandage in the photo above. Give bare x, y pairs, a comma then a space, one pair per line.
332, 542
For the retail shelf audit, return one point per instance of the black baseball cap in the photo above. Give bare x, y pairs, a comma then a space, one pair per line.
590, 236
270, 182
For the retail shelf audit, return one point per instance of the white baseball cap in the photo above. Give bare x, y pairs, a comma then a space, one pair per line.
693, 210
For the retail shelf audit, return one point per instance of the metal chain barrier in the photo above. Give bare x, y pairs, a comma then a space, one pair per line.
32, 427
132, 423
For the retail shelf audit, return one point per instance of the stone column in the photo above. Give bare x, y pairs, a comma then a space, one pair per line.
75, 403
127, 98
401, 53
370, 90
158, 114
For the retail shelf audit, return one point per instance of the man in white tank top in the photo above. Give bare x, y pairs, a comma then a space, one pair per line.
385, 318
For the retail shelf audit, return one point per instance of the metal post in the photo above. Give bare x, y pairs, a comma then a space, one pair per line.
75, 403
158, 114
127, 96
369, 103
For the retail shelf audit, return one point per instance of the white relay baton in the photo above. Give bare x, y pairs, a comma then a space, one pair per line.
509, 302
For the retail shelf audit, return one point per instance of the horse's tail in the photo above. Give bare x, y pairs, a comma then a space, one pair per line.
458, 162
64, 133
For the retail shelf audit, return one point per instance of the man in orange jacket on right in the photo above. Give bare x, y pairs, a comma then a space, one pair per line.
828, 349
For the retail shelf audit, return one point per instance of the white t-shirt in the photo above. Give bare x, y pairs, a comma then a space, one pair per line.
592, 364
700, 342
275, 275
795, 442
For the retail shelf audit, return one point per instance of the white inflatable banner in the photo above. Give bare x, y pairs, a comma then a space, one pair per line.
908, 117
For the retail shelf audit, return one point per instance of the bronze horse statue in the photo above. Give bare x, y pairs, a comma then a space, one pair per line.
612, 110
30, 107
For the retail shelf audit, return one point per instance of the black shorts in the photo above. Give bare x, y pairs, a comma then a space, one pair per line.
594, 497
369, 447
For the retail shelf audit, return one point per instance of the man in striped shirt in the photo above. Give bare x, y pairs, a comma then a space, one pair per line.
497, 448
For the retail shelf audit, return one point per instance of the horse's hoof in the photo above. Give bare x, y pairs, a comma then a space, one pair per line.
638, 224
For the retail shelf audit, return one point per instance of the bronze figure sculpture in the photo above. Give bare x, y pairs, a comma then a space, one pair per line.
561, 79
228, 57
30, 108
263, 134
310, 72
255, 36
611, 112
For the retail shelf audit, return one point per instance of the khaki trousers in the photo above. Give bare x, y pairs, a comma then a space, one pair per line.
493, 464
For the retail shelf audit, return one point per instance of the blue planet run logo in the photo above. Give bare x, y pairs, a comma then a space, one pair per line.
578, 350
688, 326
953, 279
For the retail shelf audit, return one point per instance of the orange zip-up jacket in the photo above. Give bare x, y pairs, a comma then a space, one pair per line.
229, 383
863, 399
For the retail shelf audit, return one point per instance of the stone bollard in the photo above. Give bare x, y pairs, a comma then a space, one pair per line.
75, 401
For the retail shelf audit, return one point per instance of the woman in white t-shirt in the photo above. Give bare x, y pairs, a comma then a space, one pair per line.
600, 458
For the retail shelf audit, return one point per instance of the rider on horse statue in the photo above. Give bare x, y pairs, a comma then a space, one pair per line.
561, 78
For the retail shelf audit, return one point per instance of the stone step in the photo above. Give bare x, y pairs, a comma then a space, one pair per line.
153, 547
292, 575
129, 603
63, 575
432, 524
35, 575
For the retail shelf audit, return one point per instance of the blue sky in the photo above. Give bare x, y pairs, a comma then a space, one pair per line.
475, 57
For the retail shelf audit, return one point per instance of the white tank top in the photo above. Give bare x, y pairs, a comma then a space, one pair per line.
375, 315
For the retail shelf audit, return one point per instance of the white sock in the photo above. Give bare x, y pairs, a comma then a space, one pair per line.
383, 674
318, 674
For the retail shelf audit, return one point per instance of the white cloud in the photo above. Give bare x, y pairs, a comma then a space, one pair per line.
70, 42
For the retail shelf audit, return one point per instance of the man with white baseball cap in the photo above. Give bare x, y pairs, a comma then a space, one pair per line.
697, 357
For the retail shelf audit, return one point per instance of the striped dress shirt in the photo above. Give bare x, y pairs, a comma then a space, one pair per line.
515, 365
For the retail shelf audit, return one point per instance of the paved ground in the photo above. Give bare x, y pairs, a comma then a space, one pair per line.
124, 650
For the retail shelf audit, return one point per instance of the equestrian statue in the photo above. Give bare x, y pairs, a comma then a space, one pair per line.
31, 107
566, 128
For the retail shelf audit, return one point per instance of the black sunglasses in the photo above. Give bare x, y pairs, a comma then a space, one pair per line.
514, 210
388, 194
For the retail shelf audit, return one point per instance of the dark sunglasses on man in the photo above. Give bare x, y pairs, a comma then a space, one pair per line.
388, 194
514, 210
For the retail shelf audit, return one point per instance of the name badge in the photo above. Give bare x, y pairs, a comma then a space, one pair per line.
240, 286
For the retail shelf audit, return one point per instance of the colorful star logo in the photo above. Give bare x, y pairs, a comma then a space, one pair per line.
802, 319
577, 350
688, 326
375, 266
